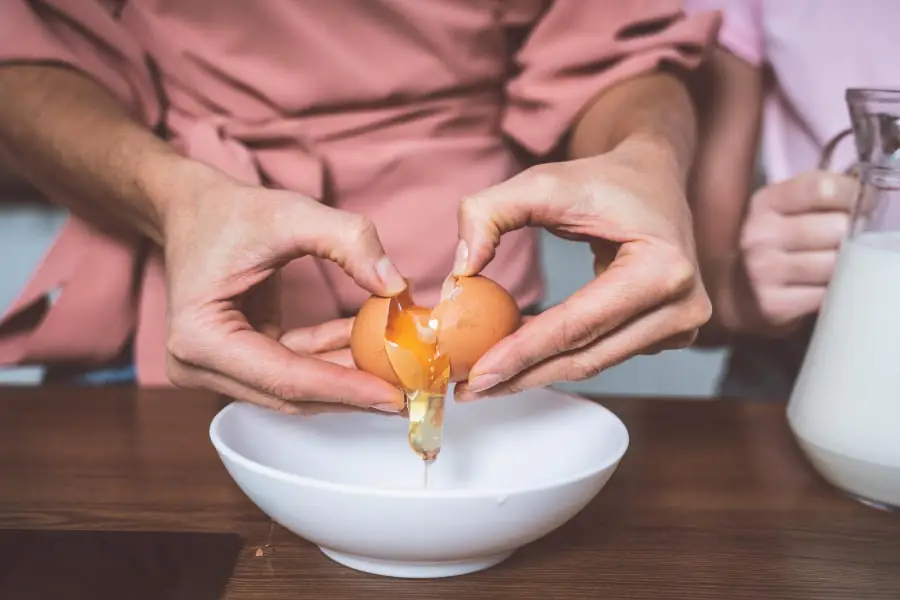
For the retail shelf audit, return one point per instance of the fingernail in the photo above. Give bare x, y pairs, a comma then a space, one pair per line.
483, 382
391, 408
462, 258
827, 187
464, 396
389, 275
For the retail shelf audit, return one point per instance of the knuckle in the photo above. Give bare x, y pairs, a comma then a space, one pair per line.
181, 346
682, 340
839, 227
361, 228
762, 200
514, 386
280, 389
471, 208
177, 373
477, 210
679, 277
698, 312
758, 268
748, 238
760, 231
544, 178
574, 332
579, 371
520, 360
773, 308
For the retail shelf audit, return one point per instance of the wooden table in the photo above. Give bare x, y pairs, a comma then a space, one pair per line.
713, 500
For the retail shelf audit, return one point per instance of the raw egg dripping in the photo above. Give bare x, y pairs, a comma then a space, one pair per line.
422, 350
410, 338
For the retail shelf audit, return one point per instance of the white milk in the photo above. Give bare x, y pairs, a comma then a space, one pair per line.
845, 407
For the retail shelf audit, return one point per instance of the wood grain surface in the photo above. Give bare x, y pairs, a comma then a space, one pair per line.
712, 501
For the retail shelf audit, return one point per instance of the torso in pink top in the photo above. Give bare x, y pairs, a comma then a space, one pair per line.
816, 50
391, 108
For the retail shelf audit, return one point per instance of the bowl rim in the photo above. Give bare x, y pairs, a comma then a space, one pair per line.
226, 452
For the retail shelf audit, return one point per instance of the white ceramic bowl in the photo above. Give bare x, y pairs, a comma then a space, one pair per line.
512, 470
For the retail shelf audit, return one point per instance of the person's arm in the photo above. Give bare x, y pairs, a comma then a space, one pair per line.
653, 112
67, 136
624, 194
766, 255
223, 241
729, 93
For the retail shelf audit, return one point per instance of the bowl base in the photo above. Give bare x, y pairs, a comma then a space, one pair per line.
882, 506
413, 570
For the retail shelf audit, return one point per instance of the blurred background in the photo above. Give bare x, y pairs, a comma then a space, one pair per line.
27, 230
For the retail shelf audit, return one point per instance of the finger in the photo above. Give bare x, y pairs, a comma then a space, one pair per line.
342, 357
309, 409
346, 238
233, 389
485, 216
332, 335
681, 340
814, 231
784, 305
811, 191
265, 365
632, 285
197, 377
629, 340
803, 268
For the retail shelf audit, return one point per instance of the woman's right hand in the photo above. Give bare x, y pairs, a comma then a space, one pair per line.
789, 243
225, 243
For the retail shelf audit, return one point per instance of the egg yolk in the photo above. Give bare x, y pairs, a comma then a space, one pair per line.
411, 341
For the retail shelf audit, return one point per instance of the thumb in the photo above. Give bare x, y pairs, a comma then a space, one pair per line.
485, 216
346, 238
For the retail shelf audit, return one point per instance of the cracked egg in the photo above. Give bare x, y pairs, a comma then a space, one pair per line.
409, 345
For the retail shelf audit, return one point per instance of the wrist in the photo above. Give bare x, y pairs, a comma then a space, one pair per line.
172, 185
655, 170
657, 151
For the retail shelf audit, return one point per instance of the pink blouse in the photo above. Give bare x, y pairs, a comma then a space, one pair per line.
391, 108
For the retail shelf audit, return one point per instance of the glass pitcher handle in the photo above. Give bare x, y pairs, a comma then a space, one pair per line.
827, 154
825, 159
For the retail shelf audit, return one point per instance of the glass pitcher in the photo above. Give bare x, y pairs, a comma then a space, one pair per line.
845, 406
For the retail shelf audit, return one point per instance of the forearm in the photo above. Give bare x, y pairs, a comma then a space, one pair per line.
69, 138
728, 93
652, 111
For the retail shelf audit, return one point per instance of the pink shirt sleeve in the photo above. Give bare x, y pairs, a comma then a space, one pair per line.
578, 48
83, 35
741, 32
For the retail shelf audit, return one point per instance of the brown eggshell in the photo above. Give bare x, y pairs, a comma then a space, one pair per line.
473, 318
367, 339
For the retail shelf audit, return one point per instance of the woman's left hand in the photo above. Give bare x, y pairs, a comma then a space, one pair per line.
629, 206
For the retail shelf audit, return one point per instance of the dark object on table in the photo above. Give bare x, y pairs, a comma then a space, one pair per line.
95, 565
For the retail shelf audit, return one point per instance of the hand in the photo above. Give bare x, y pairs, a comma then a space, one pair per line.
224, 246
789, 244
629, 206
